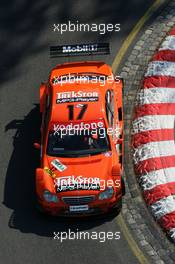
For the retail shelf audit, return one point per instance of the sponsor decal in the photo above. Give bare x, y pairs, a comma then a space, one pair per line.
78, 186
50, 172
80, 96
70, 183
78, 48
56, 127
78, 208
58, 165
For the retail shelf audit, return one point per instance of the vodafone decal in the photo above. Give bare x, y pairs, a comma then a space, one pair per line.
153, 135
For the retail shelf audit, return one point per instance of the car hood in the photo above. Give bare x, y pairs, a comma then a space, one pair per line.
98, 166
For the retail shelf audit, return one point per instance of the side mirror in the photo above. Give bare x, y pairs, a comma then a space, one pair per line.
37, 145
118, 141
42, 96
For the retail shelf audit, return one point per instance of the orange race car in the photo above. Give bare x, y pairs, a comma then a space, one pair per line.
81, 145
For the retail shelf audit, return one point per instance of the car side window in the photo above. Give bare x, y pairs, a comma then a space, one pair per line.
47, 108
110, 107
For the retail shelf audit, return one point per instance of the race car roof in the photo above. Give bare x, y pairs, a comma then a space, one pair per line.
77, 102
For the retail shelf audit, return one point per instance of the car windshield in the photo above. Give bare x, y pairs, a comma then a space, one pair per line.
77, 144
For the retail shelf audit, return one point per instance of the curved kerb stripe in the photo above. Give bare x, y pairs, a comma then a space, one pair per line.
163, 206
168, 221
152, 122
155, 109
171, 233
159, 192
153, 178
158, 163
156, 96
168, 44
161, 68
154, 150
164, 55
159, 81
152, 136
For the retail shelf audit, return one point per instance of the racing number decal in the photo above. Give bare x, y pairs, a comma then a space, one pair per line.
71, 112
81, 114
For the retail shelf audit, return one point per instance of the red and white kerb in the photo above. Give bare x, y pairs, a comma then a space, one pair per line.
153, 135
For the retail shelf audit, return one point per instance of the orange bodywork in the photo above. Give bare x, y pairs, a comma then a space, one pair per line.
89, 182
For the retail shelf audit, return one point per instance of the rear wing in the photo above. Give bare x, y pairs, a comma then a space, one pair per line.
79, 50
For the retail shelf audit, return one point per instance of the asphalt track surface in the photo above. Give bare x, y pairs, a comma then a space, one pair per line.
26, 31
